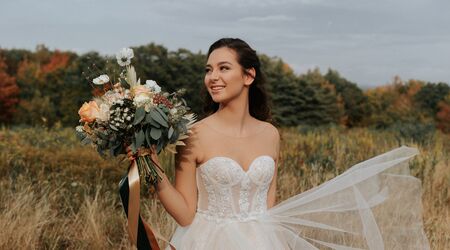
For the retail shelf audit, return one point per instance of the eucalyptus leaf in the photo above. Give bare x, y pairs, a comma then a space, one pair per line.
158, 118
159, 146
140, 138
174, 137
155, 133
165, 109
149, 119
170, 132
139, 115
162, 113
148, 136
133, 147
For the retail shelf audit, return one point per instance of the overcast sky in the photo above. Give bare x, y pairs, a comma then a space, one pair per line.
367, 41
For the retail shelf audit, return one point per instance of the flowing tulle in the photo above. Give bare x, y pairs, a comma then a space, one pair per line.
375, 204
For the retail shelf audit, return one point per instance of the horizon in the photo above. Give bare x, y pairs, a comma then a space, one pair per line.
367, 43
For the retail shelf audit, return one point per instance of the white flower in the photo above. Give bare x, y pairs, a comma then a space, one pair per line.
101, 80
153, 85
104, 112
79, 129
141, 100
124, 56
173, 111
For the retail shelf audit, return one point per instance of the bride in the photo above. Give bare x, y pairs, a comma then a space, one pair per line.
225, 180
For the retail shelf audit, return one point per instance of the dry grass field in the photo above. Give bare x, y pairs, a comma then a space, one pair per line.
56, 194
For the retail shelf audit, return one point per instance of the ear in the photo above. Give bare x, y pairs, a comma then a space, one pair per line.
250, 76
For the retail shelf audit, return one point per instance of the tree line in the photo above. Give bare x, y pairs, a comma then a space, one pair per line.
45, 87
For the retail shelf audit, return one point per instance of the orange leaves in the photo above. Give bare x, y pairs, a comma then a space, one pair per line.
58, 60
30, 70
9, 93
443, 115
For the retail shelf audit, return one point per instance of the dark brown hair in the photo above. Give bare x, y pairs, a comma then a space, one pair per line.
247, 58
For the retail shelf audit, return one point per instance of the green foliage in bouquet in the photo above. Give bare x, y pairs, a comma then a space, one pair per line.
131, 114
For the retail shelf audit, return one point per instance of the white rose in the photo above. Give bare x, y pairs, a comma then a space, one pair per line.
153, 85
101, 80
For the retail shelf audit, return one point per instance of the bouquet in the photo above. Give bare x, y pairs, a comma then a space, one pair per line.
127, 114
141, 116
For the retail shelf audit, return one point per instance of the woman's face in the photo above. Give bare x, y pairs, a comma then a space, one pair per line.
224, 77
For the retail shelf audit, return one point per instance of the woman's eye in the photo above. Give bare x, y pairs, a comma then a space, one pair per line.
207, 70
224, 68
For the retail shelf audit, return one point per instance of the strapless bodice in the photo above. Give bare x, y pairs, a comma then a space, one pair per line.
227, 192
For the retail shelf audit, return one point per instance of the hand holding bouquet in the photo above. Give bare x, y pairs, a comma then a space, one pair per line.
141, 116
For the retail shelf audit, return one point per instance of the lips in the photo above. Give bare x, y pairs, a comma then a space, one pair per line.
217, 87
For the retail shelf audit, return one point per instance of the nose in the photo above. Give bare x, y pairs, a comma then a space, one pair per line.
214, 75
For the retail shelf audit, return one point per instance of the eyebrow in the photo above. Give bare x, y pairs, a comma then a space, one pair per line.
220, 63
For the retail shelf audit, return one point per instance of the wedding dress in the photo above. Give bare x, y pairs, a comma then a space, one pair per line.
375, 204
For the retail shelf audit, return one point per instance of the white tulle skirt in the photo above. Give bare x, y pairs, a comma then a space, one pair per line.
375, 204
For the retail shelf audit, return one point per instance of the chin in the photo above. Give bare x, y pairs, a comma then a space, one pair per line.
216, 98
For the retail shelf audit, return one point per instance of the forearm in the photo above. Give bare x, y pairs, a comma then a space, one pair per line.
174, 202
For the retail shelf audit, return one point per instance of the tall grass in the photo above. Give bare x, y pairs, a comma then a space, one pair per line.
56, 194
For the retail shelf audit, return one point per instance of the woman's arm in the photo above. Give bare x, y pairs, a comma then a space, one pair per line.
271, 195
180, 200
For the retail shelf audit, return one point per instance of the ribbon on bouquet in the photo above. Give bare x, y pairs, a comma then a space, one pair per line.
140, 233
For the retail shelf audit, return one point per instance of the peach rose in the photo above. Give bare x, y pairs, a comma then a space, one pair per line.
140, 89
89, 111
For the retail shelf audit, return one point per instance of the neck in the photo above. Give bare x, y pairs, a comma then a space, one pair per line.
235, 114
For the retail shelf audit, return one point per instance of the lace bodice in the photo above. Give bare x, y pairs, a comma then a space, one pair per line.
227, 192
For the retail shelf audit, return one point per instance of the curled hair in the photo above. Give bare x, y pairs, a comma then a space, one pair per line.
247, 58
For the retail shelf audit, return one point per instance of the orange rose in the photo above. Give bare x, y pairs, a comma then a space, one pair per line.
89, 112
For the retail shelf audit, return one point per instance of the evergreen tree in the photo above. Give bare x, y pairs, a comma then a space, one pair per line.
431, 94
282, 89
319, 100
355, 102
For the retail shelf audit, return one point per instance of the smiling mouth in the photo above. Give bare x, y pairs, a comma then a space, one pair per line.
217, 88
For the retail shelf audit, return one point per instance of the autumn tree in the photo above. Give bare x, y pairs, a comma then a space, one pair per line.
9, 93
395, 103
443, 115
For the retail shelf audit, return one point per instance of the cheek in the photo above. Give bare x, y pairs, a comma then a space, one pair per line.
235, 81
206, 80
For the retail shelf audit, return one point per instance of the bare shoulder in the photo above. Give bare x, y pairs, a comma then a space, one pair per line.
194, 134
272, 131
